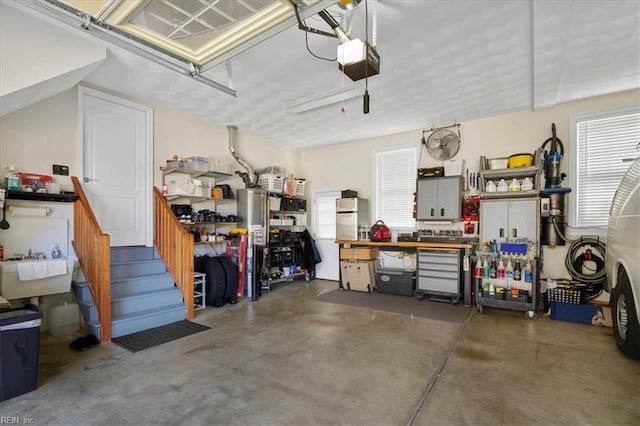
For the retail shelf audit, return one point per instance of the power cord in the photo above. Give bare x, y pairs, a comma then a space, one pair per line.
579, 260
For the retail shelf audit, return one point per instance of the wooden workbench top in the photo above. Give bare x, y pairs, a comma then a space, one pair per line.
4, 303
407, 244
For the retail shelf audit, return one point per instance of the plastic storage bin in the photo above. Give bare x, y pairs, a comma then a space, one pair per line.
272, 183
19, 350
396, 281
298, 187
65, 319
200, 164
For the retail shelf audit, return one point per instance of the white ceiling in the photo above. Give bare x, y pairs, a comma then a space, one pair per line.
441, 62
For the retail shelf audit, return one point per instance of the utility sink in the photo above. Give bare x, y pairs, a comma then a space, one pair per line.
56, 277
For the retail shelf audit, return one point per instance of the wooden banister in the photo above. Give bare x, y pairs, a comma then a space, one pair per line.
92, 246
175, 246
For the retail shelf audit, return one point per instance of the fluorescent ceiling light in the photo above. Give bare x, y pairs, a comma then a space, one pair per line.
325, 99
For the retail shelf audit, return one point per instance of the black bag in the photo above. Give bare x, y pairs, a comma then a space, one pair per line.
380, 232
231, 277
216, 279
226, 191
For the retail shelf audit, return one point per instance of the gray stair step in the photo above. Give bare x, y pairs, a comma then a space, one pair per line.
82, 291
89, 310
144, 320
132, 253
133, 285
123, 270
93, 327
145, 301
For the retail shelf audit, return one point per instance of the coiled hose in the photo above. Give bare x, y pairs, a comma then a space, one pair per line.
581, 253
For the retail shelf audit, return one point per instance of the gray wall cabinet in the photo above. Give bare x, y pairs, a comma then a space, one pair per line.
439, 198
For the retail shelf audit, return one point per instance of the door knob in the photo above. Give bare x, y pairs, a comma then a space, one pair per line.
88, 179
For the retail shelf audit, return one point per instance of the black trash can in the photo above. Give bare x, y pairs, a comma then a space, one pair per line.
19, 350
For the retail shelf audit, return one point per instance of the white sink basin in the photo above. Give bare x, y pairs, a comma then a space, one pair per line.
12, 287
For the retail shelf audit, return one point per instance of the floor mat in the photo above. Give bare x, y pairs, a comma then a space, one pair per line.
156, 336
398, 304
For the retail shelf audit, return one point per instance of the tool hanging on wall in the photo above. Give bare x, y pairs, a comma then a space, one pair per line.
553, 195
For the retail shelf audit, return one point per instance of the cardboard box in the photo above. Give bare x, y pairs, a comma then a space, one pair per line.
359, 253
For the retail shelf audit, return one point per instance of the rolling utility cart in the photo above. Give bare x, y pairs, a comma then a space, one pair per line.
515, 295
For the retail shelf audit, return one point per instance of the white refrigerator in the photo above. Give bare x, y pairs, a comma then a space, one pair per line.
351, 214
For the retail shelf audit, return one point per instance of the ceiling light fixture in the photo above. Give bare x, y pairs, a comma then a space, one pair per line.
348, 4
326, 99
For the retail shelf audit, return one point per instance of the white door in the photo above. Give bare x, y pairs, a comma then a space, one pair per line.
324, 229
116, 150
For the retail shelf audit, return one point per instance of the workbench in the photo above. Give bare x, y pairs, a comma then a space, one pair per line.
4, 303
413, 246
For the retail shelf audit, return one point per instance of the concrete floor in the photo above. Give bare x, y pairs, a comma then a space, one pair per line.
288, 359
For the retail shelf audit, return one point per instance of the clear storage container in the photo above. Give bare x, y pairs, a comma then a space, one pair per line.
64, 319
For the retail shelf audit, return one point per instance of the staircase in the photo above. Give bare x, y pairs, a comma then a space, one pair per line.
143, 294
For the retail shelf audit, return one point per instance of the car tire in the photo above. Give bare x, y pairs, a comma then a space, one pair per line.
626, 329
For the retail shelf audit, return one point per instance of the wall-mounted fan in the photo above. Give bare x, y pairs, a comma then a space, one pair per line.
442, 144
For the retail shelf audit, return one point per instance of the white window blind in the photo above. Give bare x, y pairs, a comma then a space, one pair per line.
395, 186
324, 214
604, 145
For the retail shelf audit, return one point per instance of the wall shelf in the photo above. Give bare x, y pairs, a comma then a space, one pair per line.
197, 198
65, 197
194, 173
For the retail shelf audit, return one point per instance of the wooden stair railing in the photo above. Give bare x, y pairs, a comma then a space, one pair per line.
92, 246
175, 246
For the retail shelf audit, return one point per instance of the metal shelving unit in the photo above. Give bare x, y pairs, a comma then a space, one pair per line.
199, 290
284, 252
194, 174
534, 172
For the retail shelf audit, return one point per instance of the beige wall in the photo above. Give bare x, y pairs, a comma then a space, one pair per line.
45, 133
350, 165
40, 135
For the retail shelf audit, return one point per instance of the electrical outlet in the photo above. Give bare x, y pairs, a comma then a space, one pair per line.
60, 170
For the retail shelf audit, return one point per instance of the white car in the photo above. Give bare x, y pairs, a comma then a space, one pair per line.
623, 262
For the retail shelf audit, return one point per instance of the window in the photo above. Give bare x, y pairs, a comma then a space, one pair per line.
604, 143
395, 185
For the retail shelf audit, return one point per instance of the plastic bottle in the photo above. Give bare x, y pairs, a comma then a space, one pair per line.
517, 270
485, 269
528, 272
514, 185
502, 186
493, 272
508, 270
56, 253
478, 269
11, 179
500, 270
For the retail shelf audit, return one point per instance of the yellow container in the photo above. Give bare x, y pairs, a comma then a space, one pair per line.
520, 160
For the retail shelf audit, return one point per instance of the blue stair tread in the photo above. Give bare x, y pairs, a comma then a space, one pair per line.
144, 277
149, 312
133, 262
87, 303
145, 293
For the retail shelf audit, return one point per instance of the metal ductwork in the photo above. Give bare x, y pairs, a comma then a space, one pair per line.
250, 178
